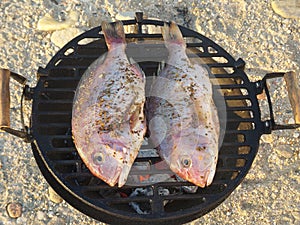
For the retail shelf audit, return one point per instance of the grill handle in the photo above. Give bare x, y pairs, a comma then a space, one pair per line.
5, 104
4, 98
293, 89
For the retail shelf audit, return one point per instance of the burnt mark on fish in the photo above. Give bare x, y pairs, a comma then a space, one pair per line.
200, 148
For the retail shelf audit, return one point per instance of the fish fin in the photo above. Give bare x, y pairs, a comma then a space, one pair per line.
125, 169
160, 68
136, 120
136, 68
113, 33
124, 175
132, 61
172, 34
133, 121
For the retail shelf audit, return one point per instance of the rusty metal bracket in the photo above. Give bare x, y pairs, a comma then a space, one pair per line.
5, 104
293, 92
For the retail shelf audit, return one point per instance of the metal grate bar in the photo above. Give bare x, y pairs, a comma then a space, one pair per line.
49, 102
237, 97
240, 108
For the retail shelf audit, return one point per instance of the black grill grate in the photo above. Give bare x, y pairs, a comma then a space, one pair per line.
57, 157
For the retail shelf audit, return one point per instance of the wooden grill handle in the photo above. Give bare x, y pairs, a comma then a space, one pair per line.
293, 89
4, 98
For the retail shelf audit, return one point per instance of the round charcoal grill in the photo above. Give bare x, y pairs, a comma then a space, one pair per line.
51, 139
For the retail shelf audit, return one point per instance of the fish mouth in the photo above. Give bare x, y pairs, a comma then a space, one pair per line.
109, 176
201, 179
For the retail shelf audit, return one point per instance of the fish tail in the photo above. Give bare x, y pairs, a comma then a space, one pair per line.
172, 34
114, 33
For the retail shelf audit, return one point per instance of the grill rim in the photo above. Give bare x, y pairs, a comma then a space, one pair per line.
62, 188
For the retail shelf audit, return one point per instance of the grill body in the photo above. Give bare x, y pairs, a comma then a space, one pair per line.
59, 162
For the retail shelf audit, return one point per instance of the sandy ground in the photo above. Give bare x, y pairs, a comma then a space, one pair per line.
270, 194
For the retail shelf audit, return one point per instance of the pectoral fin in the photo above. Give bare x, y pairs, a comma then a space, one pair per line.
136, 120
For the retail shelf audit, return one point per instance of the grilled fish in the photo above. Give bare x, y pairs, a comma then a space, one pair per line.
108, 122
182, 117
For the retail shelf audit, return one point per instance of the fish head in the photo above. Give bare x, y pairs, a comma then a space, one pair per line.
196, 164
103, 161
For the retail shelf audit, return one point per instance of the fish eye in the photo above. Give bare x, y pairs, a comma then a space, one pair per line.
98, 157
186, 162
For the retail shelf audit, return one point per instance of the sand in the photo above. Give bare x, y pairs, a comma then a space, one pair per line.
270, 193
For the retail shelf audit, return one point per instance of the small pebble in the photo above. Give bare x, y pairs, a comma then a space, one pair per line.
291, 121
38, 222
2, 39
262, 96
40, 215
53, 196
296, 135
14, 209
48, 23
267, 138
284, 151
125, 15
94, 21
62, 37
56, 221
21, 220
287, 8
296, 215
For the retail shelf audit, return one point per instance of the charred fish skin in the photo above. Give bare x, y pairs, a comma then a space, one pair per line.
181, 114
108, 122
